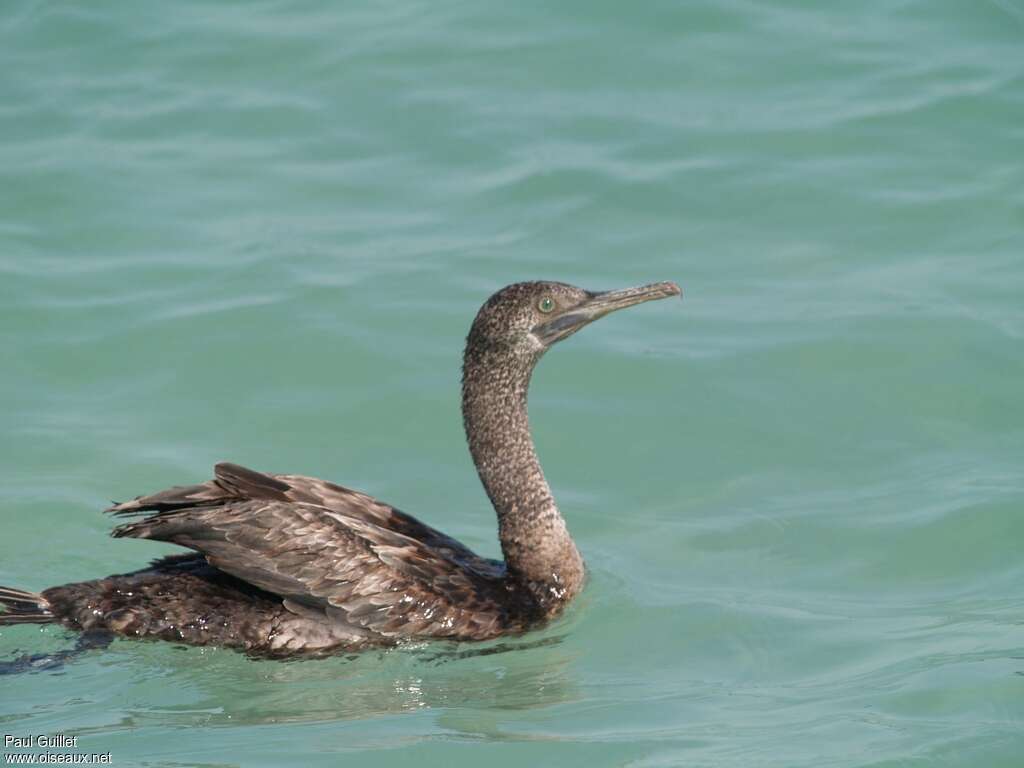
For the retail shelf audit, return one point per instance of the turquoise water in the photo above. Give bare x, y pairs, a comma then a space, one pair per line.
259, 231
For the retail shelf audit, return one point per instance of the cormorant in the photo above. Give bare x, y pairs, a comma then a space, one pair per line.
290, 565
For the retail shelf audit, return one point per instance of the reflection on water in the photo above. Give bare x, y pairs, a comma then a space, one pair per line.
48, 661
470, 690
223, 687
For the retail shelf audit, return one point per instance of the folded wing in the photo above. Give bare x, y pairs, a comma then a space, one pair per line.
327, 549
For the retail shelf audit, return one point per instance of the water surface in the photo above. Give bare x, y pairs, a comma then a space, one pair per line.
259, 231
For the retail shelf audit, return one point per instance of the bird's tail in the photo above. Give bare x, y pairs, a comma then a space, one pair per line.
21, 607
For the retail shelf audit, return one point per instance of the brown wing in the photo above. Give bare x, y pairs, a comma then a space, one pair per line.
327, 548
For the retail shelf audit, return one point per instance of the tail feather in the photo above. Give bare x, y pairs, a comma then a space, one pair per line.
7, 620
21, 607
180, 497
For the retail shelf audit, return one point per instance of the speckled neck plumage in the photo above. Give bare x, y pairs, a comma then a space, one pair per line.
538, 550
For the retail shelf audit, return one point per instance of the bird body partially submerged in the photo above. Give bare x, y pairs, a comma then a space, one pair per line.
287, 564
290, 565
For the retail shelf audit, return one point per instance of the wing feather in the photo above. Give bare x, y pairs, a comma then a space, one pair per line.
323, 546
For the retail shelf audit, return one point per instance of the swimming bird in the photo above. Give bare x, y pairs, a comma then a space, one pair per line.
287, 565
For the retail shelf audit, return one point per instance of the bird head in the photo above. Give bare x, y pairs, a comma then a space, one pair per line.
531, 317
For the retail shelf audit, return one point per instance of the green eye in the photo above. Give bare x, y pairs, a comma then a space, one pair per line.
546, 304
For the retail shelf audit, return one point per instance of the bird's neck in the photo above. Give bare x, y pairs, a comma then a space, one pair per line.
538, 549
